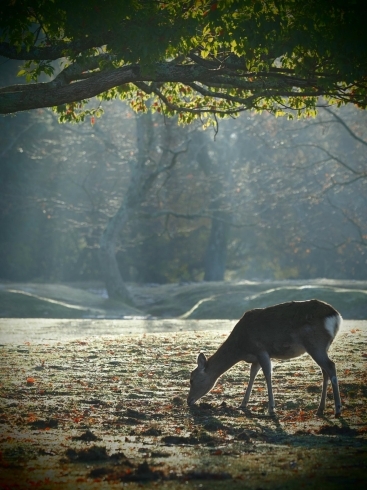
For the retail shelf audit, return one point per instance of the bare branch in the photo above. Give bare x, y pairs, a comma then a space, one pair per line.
333, 157
194, 216
151, 178
345, 126
362, 236
343, 184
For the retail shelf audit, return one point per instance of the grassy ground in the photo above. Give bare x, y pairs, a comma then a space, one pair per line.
107, 413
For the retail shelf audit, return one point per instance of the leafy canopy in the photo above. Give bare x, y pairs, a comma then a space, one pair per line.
195, 58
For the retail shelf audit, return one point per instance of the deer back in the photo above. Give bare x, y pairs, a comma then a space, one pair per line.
283, 330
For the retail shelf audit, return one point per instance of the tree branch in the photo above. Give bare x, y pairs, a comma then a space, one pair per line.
74, 72
151, 178
48, 94
54, 52
362, 235
345, 126
193, 216
333, 157
61, 91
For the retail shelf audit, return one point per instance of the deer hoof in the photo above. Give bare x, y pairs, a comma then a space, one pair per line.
245, 410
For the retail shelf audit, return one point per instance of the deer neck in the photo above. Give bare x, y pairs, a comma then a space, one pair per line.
222, 360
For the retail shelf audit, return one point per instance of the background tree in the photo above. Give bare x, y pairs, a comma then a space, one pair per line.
293, 209
301, 176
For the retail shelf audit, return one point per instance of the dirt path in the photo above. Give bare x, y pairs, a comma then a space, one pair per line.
109, 412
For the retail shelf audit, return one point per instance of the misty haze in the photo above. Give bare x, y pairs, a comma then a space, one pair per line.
135, 216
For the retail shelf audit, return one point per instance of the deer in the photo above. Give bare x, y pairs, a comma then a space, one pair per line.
283, 331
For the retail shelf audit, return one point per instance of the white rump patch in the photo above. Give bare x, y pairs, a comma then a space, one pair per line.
332, 324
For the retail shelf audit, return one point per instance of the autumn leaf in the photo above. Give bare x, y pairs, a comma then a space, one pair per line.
218, 389
218, 452
31, 417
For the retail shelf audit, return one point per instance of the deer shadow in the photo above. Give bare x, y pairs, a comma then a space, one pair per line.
255, 428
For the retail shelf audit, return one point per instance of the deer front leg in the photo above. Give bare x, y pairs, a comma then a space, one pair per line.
255, 366
265, 364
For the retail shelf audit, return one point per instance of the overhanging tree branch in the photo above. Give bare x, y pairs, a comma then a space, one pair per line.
88, 84
170, 44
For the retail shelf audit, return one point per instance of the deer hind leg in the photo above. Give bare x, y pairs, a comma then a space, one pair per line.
265, 363
255, 367
328, 372
322, 405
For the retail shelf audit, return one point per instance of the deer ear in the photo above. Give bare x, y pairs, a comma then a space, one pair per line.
201, 361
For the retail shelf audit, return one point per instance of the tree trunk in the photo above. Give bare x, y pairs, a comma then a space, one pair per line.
216, 253
116, 288
215, 258
139, 183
